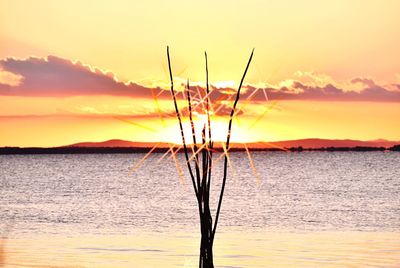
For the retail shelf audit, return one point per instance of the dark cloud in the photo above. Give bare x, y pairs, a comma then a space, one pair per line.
299, 91
57, 77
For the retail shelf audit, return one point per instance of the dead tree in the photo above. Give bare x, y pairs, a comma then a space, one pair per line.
201, 158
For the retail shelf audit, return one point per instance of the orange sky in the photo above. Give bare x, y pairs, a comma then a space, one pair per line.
77, 70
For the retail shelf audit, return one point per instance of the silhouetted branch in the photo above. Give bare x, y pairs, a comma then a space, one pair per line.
203, 177
196, 157
228, 137
180, 124
210, 143
204, 161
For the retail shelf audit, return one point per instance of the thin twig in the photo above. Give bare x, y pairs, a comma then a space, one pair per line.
204, 160
180, 124
196, 158
228, 137
209, 127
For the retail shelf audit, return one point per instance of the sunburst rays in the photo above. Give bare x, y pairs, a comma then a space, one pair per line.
199, 105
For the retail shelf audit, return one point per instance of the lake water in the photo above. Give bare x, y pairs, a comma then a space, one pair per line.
308, 209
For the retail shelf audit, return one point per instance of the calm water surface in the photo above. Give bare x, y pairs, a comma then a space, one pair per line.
309, 209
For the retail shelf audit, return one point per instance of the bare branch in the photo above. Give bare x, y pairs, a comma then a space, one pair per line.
196, 158
210, 143
228, 137
204, 161
208, 102
180, 124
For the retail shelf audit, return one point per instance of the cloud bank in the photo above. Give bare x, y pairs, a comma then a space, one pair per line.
329, 92
58, 77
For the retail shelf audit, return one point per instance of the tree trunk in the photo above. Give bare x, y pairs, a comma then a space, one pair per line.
206, 253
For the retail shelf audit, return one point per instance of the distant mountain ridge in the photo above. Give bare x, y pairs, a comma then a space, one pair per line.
305, 143
116, 143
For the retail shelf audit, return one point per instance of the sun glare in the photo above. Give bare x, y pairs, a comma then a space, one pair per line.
225, 84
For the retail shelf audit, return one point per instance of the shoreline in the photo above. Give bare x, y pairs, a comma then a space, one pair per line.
126, 150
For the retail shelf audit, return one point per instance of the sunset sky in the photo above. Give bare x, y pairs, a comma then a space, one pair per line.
73, 71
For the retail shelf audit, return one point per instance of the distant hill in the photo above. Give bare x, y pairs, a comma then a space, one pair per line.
117, 143
324, 143
305, 143
122, 146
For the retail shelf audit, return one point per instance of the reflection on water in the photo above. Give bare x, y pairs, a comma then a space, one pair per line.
311, 209
232, 249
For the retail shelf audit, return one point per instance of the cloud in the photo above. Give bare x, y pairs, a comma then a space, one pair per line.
302, 91
10, 79
57, 77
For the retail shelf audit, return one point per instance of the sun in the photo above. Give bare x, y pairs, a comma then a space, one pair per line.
225, 84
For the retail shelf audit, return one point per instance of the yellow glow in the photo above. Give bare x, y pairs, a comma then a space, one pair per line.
129, 37
285, 120
294, 40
